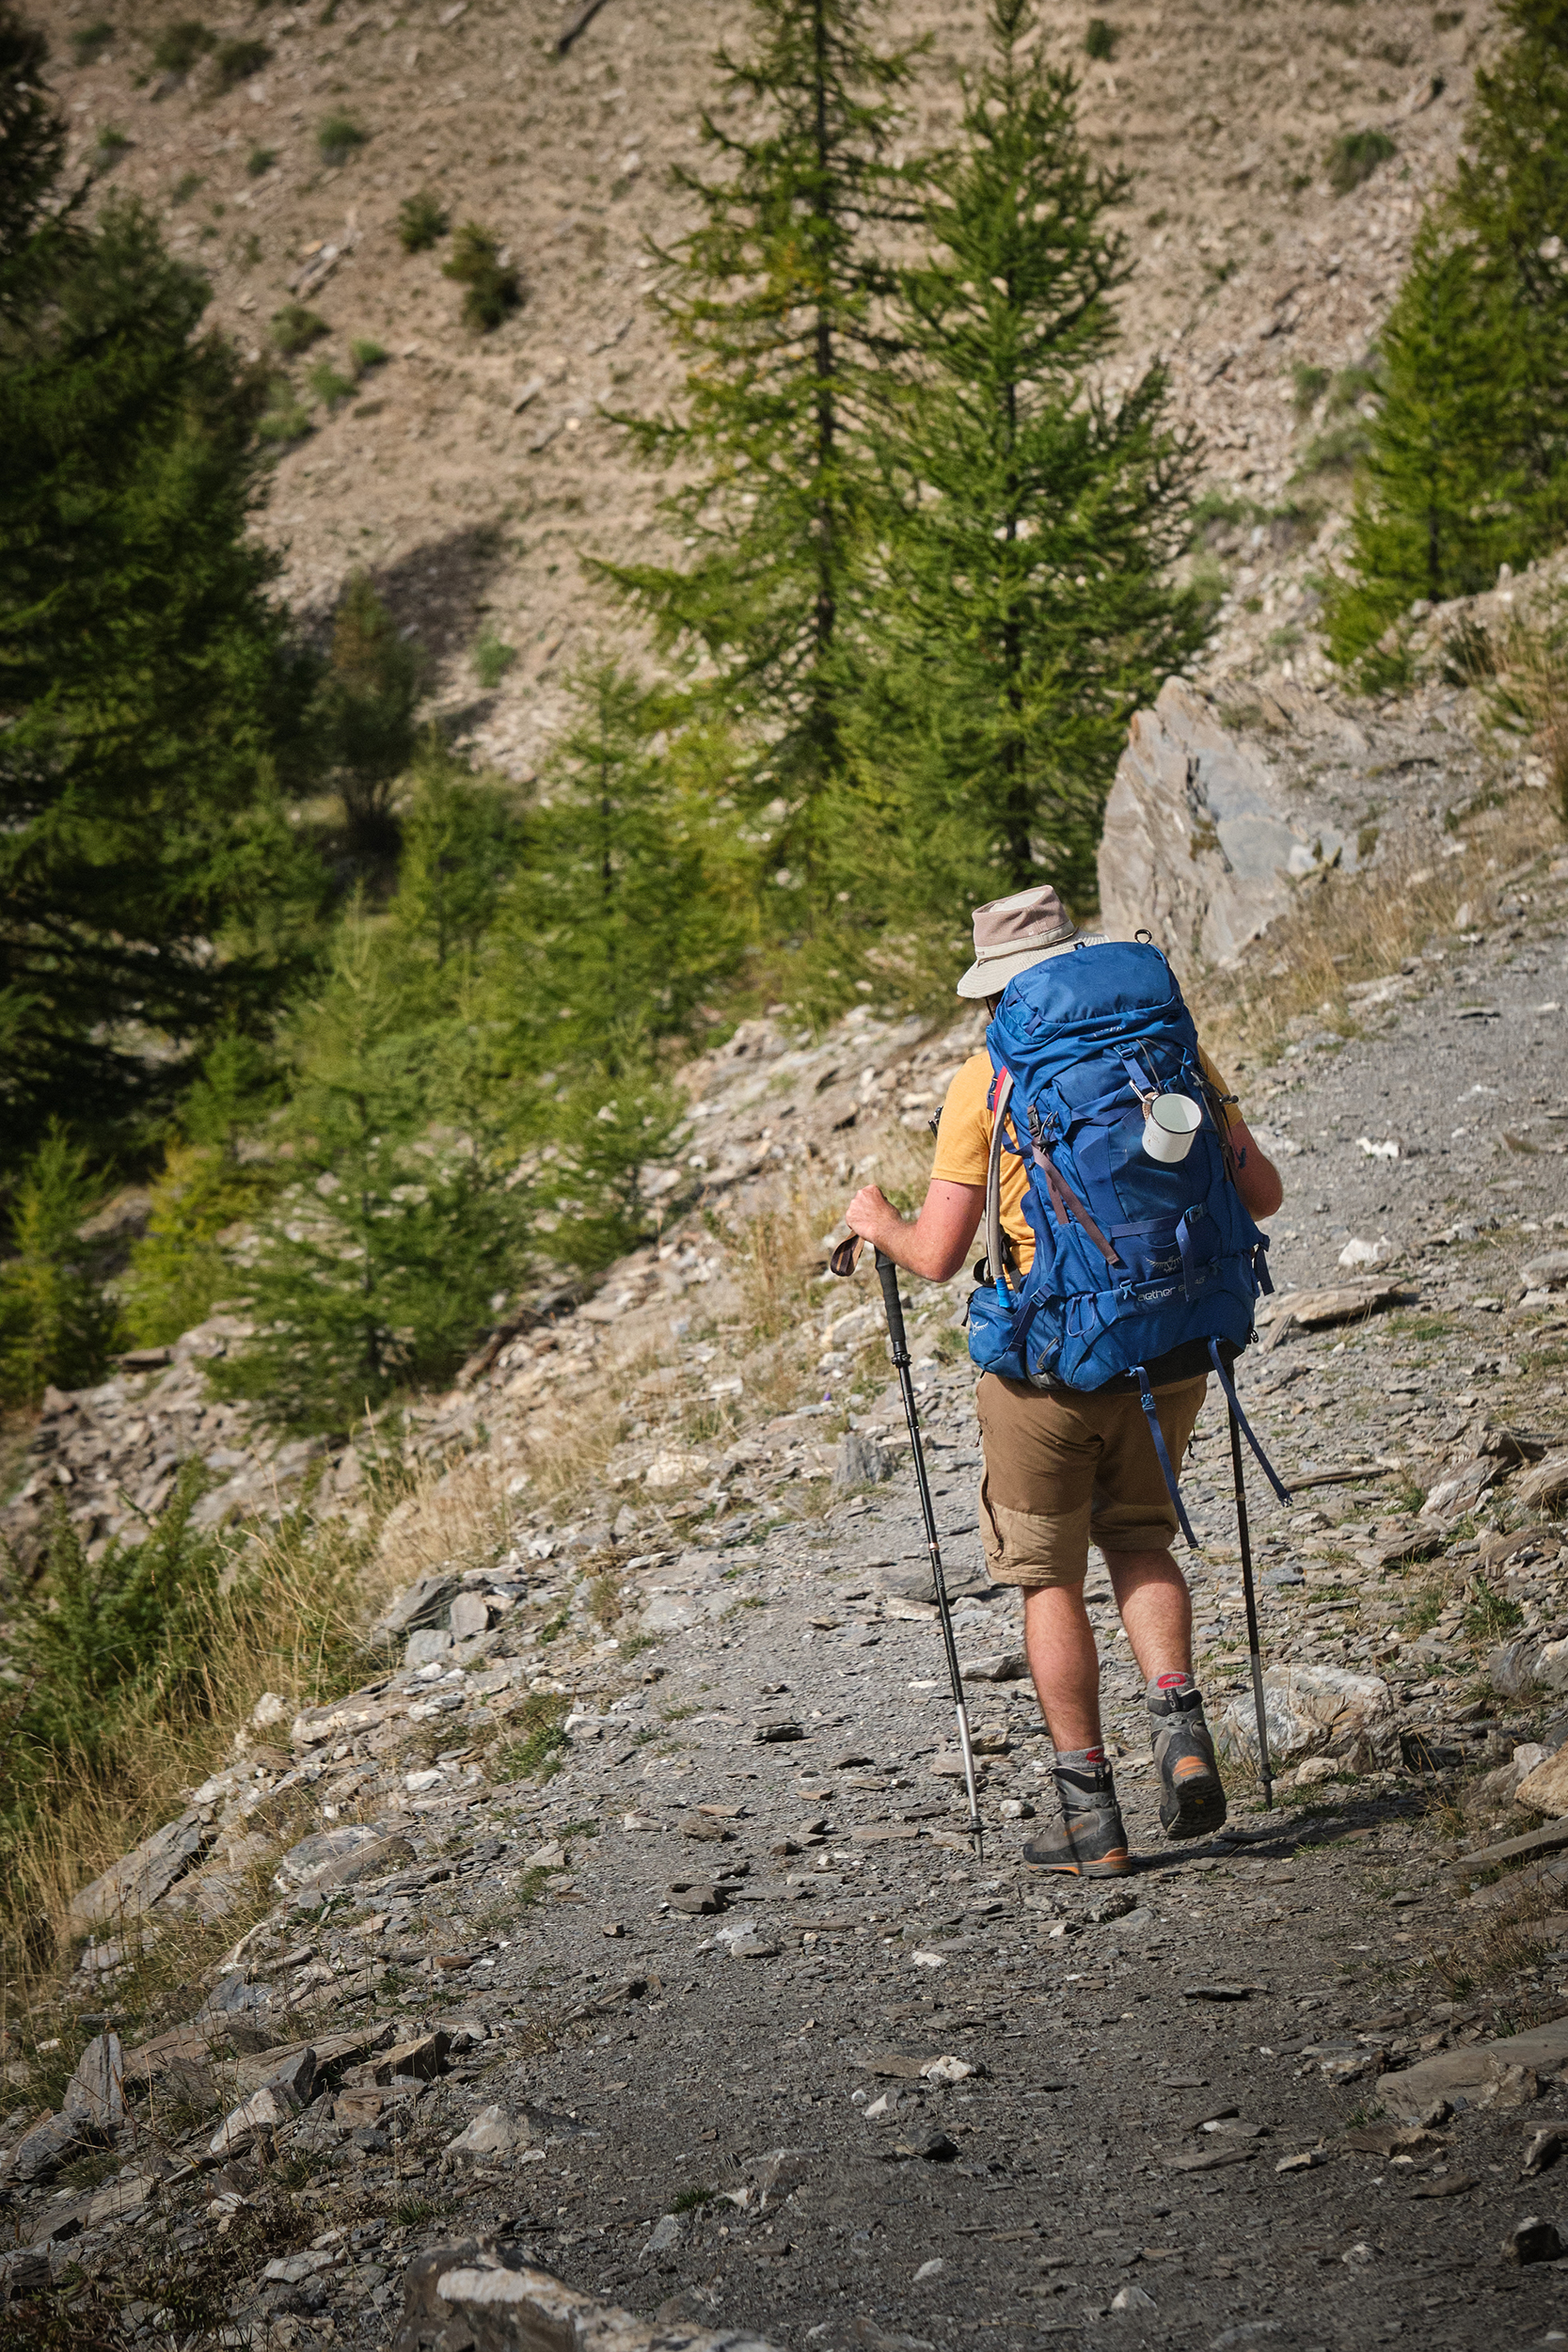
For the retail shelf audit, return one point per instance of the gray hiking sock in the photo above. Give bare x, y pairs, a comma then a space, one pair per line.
1173, 1695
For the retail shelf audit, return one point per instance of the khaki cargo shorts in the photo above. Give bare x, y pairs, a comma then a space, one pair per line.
1066, 1471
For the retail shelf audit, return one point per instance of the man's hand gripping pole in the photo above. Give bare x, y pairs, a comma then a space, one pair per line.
843, 1263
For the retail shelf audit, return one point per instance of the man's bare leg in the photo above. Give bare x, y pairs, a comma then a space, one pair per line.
1157, 1610
1058, 1640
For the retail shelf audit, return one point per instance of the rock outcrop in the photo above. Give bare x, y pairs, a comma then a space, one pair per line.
1201, 846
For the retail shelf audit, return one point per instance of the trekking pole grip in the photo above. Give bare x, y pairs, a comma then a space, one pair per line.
887, 1274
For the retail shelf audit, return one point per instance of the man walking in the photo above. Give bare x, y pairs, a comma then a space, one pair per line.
1066, 1466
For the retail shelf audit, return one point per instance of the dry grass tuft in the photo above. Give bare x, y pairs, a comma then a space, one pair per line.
1494, 1945
293, 1621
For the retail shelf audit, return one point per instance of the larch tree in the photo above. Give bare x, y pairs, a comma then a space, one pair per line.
1025, 604
772, 302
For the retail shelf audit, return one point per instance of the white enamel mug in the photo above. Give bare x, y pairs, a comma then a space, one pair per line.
1172, 1122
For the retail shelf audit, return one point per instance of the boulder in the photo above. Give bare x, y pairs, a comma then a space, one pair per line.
1339, 1302
1001, 1666
134, 1883
1546, 1484
1474, 2074
423, 1604
1200, 845
492, 2135
1510, 1668
95, 2095
1548, 1273
310, 1862
471, 1615
1310, 1710
1459, 1490
50, 2144
861, 1461
1545, 1789
488, 2295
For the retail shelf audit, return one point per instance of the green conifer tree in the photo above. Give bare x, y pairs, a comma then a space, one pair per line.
364, 715
150, 690
398, 1226
461, 843
215, 1176
621, 921
1442, 498
32, 155
1467, 464
1511, 196
1025, 606
770, 302
613, 932
57, 1322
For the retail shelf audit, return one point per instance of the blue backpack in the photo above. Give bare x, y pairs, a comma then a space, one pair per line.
1132, 1257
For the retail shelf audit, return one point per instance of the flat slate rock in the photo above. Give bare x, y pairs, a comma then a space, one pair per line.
1551, 1838
133, 1884
1463, 2072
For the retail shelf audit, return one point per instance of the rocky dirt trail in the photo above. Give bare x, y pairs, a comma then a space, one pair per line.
624, 1929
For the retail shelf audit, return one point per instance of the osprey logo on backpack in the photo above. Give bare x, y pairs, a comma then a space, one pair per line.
1133, 1256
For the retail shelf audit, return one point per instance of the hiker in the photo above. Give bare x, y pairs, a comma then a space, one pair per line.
1145, 1262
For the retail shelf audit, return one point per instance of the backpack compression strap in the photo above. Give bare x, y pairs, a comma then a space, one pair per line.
1063, 1199
1245, 1426
1146, 1398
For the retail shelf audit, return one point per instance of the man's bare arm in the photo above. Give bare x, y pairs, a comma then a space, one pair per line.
1257, 1180
938, 1242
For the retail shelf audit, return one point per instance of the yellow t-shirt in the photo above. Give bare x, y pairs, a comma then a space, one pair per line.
963, 1145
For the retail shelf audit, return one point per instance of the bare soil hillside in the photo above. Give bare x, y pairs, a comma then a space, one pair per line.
471, 472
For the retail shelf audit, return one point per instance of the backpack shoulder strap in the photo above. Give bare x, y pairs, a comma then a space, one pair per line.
996, 1241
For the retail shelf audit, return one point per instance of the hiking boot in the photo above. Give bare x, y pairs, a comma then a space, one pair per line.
1089, 1840
1192, 1795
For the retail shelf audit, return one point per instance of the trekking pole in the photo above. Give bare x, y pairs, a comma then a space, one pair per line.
1251, 1597
843, 1261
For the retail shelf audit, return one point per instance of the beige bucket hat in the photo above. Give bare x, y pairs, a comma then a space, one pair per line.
1010, 934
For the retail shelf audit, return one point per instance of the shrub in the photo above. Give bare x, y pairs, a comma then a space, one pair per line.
1354, 157
284, 419
187, 186
112, 146
492, 658
421, 219
136, 1669
88, 45
1529, 665
329, 387
541, 1723
363, 714
1338, 450
294, 328
237, 61
1099, 39
55, 1323
178, 1269
338, 137
366, 355
491, 284
260, 160
178, 45
1308, 385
